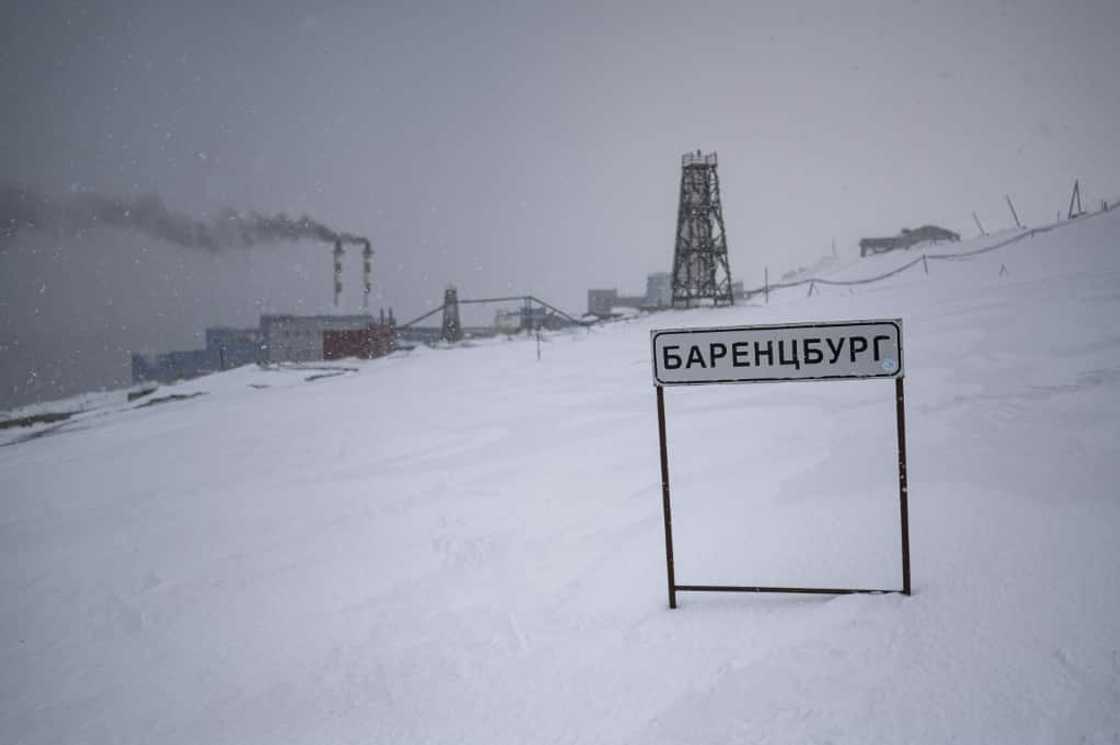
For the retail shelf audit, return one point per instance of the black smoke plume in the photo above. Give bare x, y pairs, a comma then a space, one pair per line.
24, 210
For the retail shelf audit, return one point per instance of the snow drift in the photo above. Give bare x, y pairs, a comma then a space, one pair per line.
465, 545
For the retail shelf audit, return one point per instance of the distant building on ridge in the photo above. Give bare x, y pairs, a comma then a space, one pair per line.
906, 239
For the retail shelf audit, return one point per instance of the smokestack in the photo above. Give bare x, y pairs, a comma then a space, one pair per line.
367, 271
337, 271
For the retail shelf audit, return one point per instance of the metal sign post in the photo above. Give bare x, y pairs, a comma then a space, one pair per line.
852, 350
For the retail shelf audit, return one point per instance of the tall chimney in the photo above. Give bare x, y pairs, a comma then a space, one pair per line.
367, 262
337, 271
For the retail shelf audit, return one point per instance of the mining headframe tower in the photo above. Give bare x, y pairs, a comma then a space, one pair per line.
701, 272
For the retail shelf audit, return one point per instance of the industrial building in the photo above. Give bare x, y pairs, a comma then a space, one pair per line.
507, 321
906, 239
527, 318
168, 367
365, 343
290, 338
235, 347
659, 290
226, 348
659, 294
279, 338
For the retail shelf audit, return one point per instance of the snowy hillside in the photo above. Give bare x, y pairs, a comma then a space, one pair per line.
465, 545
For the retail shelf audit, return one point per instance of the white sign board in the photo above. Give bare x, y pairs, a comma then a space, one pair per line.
847, 350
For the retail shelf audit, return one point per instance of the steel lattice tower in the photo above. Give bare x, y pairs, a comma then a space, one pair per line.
452, 327
700, 268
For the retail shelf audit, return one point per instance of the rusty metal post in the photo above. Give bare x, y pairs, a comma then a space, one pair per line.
665, 497
903, 505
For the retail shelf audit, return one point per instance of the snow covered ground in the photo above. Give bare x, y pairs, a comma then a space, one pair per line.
465, 545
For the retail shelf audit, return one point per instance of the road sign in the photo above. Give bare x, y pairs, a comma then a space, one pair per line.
767, 354
848, 350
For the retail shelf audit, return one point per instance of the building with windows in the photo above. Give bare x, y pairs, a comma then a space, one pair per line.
287, 338
279, 338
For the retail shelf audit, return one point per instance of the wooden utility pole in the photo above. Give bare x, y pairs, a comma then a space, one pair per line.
978, 225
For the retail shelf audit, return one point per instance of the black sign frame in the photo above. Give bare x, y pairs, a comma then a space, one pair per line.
903, 503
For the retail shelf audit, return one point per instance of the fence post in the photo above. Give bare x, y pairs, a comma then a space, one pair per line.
811, 286
978, 225
925, 264
766, 283
1014, 214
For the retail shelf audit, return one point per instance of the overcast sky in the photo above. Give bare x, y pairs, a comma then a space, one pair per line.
524, 147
